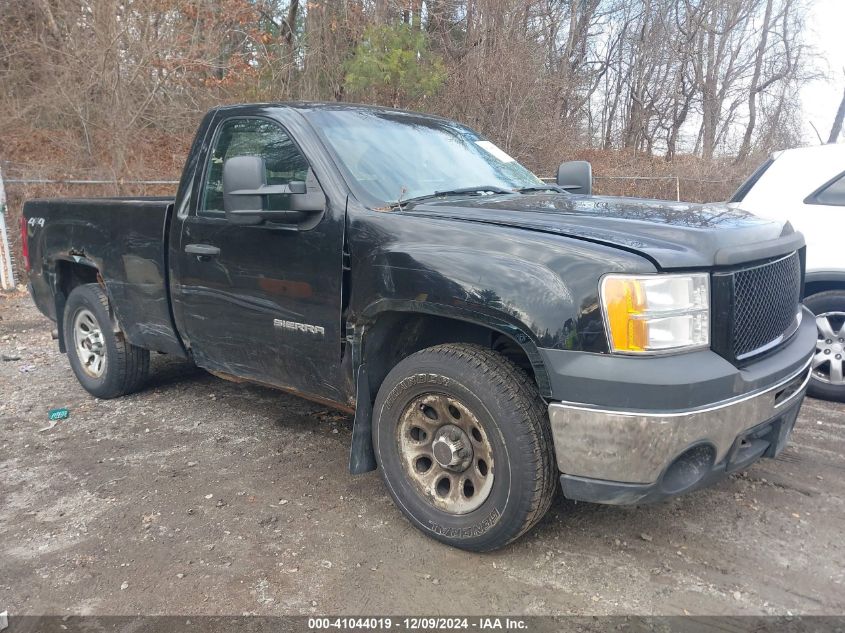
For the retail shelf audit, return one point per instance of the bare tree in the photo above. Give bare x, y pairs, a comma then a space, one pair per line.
646, 77
781, 64
836, 128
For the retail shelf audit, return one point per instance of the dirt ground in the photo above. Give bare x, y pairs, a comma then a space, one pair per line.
198, 496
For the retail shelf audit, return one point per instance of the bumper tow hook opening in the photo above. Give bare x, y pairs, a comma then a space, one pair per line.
688, 469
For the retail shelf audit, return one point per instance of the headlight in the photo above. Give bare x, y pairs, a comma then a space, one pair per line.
656, 313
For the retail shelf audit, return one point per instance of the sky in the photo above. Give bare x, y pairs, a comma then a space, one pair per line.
820, 98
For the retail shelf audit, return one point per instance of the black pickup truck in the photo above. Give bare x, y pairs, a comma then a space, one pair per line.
492, 333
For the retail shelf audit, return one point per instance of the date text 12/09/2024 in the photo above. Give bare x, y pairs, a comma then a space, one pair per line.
418, 623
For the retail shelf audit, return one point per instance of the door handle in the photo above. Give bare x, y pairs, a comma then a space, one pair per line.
202, 250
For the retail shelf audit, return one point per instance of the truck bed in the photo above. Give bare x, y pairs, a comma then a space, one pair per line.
126, 240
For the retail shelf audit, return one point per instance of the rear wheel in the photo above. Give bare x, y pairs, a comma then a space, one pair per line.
464, 444
105, 364
828, 376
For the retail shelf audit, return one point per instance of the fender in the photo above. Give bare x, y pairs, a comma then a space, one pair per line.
538, 285
538, 289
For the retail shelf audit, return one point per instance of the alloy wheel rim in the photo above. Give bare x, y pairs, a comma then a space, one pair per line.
829, 361
89, 343
445, 453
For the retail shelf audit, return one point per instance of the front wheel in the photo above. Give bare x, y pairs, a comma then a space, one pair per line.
464, 445
828, 377
105, 363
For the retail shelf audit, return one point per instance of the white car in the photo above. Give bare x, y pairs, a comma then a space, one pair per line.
806, 186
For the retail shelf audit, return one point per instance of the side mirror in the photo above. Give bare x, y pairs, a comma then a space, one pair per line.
576, 176
243, 173
245, 194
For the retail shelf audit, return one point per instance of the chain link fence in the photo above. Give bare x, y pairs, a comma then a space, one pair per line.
677, 188
24, 182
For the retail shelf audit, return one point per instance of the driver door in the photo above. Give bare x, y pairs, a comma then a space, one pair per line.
261, 301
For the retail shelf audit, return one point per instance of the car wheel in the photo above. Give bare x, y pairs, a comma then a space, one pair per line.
105, 363
828, 376
464, 445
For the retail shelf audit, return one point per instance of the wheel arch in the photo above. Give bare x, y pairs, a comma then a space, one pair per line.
398, 330
393, 331
70, 273
816, 281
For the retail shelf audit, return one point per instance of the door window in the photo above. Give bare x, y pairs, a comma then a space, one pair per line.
252, 137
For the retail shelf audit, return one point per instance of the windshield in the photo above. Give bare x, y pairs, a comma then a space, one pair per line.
395, 156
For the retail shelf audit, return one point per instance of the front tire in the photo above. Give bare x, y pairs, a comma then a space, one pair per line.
105, 363
828, 377
464, 445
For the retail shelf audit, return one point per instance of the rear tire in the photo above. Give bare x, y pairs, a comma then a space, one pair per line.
464, 445
828, 377
104, 362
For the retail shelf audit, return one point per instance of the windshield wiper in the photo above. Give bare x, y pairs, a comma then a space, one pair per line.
454, 192
457, 192
545, 187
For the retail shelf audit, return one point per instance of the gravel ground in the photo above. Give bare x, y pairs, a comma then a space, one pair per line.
198, 496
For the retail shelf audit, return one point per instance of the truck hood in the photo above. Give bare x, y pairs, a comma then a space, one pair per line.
671, 234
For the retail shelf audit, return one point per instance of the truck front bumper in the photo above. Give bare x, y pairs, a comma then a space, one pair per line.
626, 455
